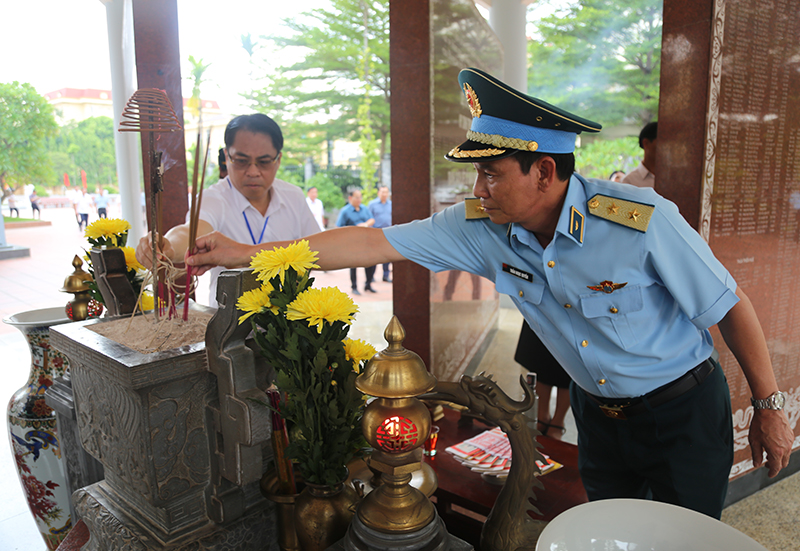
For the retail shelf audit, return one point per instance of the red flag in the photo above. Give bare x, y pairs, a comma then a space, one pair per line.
66, 180
83, 179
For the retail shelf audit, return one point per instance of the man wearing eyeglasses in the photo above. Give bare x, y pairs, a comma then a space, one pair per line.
249, 205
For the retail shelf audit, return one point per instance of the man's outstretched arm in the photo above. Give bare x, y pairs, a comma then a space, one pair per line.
348, 247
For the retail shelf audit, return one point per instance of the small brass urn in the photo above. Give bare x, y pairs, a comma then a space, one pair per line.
82, 306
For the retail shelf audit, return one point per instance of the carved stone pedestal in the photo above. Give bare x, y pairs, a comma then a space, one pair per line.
179, 472
81, 468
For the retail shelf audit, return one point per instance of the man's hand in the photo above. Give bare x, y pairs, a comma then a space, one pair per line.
770, 431
214, 249
144, 250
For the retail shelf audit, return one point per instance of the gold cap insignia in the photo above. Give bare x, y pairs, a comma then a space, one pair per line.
472, 100
626, 213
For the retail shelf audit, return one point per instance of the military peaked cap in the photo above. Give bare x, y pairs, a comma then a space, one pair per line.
505, 121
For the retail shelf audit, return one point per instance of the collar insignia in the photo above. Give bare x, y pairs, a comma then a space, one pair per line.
607, 286
576, 224
472, 99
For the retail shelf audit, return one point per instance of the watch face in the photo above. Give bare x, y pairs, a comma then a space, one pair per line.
778, 400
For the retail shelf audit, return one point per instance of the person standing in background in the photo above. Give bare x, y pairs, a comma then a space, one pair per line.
35, 205
12, 205
533, 355
644, 175
356, 214
316, 207
101, 202
381, 209
617, 176
83, 207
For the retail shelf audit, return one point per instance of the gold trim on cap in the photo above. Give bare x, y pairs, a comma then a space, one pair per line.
458, 153
501, 141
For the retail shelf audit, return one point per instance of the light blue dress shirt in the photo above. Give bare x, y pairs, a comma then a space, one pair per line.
381, 212
620, 344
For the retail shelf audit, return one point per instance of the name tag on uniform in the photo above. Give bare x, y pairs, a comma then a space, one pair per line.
516, 272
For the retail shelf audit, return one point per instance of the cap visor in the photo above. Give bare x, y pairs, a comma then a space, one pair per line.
472, 152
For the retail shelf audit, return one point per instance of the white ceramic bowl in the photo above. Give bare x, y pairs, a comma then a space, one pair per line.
640, 525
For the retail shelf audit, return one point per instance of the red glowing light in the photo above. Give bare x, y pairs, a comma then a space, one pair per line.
397, 434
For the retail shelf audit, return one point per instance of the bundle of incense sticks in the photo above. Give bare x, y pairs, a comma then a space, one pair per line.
194, 213
149, 111
280, 439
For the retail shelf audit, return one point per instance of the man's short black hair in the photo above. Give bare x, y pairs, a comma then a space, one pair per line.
649, 132
257, 123
565, 162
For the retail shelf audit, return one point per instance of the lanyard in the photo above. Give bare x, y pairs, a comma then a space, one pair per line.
253, 237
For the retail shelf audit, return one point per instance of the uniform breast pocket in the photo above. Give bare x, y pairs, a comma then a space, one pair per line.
528, 296
613, 314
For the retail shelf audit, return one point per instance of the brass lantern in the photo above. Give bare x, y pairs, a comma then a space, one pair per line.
396, 424
82, 305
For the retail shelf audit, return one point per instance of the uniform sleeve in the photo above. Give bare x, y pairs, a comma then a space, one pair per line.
684, 263
445, 241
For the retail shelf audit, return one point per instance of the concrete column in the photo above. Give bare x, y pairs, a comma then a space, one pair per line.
119, 17
507, 19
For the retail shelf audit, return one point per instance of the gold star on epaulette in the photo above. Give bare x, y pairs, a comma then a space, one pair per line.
626, 213
473, 209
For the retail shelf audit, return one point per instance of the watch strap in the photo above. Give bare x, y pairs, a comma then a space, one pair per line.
774, 401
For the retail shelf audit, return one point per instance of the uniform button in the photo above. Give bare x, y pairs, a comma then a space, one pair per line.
613, 310
568, 305
551, 264
521, 294
584, 343
601, 382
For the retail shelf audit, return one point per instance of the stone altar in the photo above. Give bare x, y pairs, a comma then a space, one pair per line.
182, 447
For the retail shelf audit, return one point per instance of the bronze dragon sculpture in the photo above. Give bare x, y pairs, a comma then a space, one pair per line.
508, 526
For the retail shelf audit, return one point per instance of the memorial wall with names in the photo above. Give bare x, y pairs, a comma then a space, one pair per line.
751, 207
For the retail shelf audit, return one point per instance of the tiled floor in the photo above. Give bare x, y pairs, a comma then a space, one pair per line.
770, 516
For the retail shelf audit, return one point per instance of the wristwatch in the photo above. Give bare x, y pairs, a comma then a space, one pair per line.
774, 401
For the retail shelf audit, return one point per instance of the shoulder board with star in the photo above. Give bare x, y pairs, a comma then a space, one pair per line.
626, 213
473, 210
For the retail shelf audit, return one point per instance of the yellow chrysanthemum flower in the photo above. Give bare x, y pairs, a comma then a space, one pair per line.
358, 351
255, 301
321, 305
298, 256
130, 259
147, 302
110, 228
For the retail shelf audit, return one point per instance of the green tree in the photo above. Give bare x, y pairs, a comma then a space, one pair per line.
318, 98
600, 58
86, 145
600, 158
196, 76
26, 122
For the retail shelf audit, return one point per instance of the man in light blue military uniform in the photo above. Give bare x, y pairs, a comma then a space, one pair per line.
617, 285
